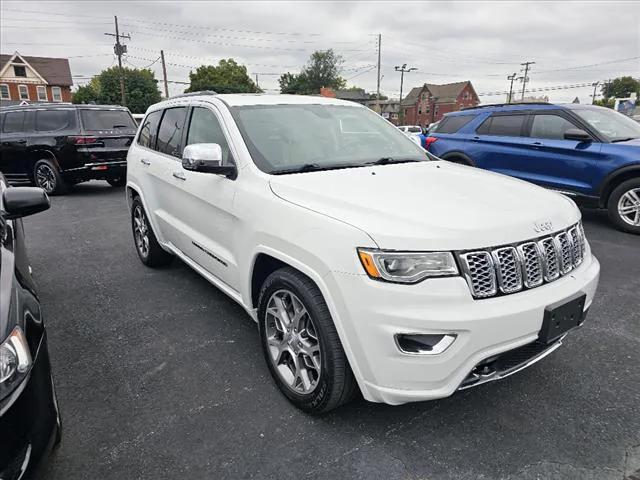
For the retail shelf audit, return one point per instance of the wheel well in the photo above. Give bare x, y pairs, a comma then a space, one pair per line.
614, 182
264, 266
131, 194
458, 158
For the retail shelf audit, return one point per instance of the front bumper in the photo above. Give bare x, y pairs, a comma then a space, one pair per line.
29, 424
371, 313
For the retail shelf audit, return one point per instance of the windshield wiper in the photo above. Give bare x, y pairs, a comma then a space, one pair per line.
623, 139
307, 167
390, 160
120, 126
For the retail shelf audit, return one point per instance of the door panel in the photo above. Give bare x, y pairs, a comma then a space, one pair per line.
203, 204
554, 162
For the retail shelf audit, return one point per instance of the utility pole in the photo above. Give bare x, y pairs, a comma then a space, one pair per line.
120, 49
257, 84
164, 75
379, 53
595, 86
512, 78
402, 71
525, 79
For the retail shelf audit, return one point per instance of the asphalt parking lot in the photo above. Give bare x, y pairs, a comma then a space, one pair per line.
160, 376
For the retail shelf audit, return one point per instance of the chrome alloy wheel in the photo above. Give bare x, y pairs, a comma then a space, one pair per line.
629, 207
292, 341
141, 231
46, 178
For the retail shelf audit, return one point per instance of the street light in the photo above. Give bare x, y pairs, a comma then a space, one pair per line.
402, 71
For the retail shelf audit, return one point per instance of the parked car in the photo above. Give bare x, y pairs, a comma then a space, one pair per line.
57, 145
414, 132
365, 263
587, 152
29, 418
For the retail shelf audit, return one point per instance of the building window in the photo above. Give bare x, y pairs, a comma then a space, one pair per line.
24, 92
419, 111
4, 92
20, 70
42, 93
426, 110
56, 93
436, 110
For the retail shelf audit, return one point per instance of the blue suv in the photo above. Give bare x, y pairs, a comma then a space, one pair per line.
587, 152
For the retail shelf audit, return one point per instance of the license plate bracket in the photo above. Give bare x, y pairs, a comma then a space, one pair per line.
562, 316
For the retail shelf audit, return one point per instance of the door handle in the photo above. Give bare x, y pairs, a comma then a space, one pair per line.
21, 141
179, 175
537, 144
145, 161
475, 139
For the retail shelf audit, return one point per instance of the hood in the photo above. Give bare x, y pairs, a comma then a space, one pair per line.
429, 205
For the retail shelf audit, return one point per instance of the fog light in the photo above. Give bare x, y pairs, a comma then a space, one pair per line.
424, 344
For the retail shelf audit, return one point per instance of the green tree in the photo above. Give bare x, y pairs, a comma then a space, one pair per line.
322, 70
621, 87
141, 89
227, 77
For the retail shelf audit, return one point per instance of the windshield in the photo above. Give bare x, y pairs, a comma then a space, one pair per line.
286, 137
614, 125
94, 119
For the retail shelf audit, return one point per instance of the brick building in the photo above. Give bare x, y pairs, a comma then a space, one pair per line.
34, 79
428, 103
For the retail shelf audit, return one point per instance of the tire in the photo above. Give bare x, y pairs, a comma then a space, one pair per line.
459, 161
147, 246
117, 181
47, 176
626, 196
330, 385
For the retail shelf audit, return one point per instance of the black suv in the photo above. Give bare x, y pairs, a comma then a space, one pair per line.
55, 146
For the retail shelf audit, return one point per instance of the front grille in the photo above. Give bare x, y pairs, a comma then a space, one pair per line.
509, 269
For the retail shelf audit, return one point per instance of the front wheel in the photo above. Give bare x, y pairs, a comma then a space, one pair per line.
147, 246
624, 206
301, 345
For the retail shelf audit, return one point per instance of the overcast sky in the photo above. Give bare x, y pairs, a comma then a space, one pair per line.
571, 42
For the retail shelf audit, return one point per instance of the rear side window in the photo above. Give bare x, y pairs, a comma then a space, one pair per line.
93, 120
149, 130
13, 122
170, 131
51, 120
550, 126
503, 125
454, 123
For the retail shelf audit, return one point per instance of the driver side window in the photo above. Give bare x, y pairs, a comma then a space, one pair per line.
550, 126
204, 127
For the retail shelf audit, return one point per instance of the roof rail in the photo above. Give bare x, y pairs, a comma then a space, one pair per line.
492, 105
192, 94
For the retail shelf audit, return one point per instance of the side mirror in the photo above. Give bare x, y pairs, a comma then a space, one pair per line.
20, 202
206, 158
577, 134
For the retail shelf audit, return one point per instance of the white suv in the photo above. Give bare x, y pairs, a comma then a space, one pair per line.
366, 262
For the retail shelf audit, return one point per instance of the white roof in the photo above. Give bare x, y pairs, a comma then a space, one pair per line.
237, 99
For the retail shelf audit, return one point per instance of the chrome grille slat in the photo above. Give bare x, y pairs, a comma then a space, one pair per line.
512, 268
508, 270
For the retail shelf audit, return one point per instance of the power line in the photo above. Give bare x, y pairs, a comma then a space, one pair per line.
591, 65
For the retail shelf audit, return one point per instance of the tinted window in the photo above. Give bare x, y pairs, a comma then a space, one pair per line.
170, 131
107, 120
504, 125
149, 130
13, 122
50, 120
205, 128
550, 126
453, 124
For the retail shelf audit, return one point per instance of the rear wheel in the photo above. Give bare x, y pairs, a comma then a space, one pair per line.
147, 246
624, 206
47, 176
117, 181
301, 345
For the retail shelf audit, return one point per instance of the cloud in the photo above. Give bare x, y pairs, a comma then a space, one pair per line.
448, 41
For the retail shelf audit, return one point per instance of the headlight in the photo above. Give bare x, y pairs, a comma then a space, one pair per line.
15, 357
407, 267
